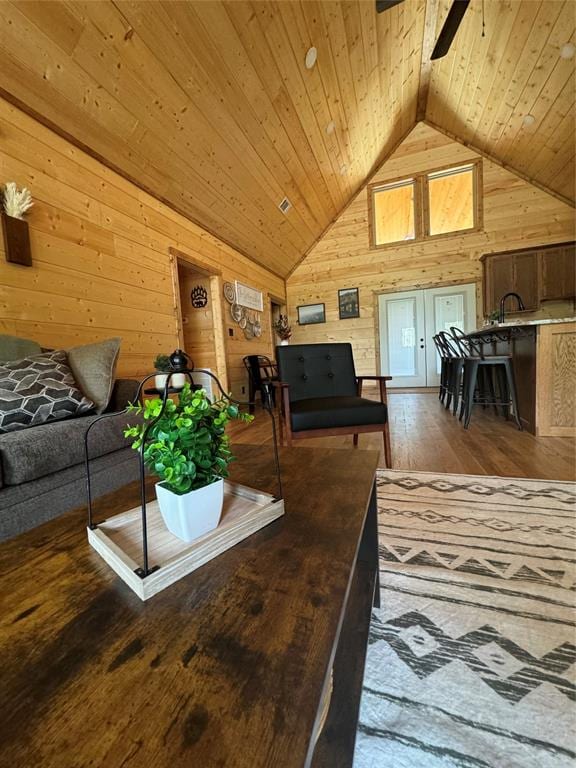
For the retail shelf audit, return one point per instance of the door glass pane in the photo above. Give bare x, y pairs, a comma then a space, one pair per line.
451, 201
448, 313
401, 316
393, 213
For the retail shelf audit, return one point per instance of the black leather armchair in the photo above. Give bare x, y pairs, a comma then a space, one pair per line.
321, 395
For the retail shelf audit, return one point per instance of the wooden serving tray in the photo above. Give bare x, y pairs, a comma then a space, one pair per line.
119, 540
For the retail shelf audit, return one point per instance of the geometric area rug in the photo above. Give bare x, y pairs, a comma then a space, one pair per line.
471, 657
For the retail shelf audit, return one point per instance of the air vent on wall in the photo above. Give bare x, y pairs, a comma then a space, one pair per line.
285, 205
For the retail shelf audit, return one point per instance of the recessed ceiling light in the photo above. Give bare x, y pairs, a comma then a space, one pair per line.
567, 51
311, 56
330, 127
529, 120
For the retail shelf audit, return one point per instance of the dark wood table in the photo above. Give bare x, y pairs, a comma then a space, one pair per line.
224, 668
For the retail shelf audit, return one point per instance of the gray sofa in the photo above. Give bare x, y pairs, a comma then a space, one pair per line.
42, 468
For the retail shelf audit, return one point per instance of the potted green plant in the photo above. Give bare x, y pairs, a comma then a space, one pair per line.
188, 449
283, 329
163, 366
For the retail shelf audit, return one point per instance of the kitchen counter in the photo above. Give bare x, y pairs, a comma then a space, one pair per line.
544, 360
541, 321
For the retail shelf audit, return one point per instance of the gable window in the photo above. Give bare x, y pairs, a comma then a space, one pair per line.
393, 212
451, 200
427, 205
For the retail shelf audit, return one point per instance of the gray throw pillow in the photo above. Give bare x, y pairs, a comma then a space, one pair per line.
38, 389
93, 366
14, 348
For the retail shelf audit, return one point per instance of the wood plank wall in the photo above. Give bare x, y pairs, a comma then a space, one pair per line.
516, 214
197, 324
100, 248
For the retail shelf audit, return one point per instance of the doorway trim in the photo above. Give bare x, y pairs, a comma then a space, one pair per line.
215, 277
419, 287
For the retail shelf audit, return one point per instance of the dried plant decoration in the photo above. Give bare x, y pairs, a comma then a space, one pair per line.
16, 201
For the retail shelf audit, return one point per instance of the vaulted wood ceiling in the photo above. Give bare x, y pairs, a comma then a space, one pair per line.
485, 87
210, 107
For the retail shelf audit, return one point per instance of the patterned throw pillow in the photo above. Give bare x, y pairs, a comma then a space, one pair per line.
37, 389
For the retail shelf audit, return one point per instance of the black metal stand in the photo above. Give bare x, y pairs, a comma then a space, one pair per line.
145, 570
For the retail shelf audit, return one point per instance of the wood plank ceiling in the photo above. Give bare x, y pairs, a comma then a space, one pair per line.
485, 87
209, 106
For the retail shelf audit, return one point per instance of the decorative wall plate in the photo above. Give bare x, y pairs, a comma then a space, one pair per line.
237, 312
229, 293
242, 322
248, 332
257, 329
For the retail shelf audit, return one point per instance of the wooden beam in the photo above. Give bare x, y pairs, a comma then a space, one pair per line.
428, 39
495, 160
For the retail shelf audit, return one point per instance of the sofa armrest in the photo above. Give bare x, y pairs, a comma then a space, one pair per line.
124, 392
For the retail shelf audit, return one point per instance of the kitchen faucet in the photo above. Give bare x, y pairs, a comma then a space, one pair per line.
503, 299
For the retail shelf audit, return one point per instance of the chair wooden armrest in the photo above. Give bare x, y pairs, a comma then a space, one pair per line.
383, 399
382, 385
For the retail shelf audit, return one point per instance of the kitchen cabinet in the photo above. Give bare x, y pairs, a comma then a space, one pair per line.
498, 277
558, 273
545, 273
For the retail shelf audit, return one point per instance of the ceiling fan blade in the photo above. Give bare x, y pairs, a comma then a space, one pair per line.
455, 15
383, 5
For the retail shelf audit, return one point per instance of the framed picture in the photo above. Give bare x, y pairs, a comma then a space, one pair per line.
348, 303
309, 314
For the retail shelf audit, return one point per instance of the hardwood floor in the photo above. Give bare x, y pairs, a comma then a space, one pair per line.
426, 437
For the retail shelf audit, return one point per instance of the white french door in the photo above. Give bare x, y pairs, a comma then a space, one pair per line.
408, 321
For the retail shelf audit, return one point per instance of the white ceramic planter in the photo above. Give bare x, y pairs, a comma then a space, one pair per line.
160, 380
177, 380
284, 343
192, 514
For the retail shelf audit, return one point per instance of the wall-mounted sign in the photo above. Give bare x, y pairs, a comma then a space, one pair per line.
199, 297
249, 297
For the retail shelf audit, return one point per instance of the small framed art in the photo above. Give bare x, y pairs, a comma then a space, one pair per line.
310, 314
348, 303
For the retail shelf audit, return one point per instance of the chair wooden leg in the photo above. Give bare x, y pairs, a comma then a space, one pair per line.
287, 432
355, 439
387, 446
